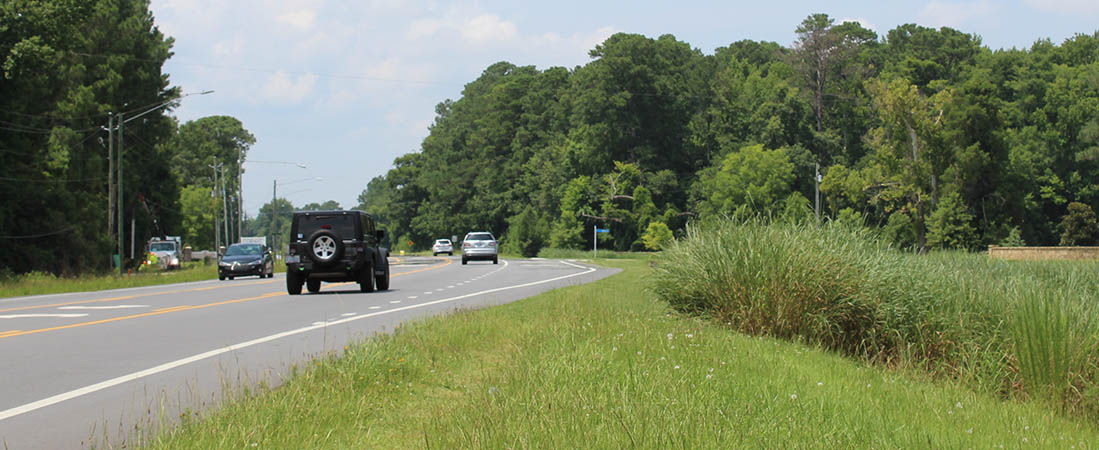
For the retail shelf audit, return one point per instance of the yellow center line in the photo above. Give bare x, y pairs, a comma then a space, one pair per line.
402, 273
135, 316
13, 333
127, 297
173, 308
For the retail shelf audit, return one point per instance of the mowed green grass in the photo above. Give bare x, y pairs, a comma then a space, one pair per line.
43, 283
606, 365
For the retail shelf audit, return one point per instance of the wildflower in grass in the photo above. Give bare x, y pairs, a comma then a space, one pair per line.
614, 349
638, 353
709, 375
819, 383
677, 366
958, 405
690, 336
670, 336
793, 396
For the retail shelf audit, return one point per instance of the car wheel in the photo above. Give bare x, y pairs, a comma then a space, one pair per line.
314, 286
325, 247
230, 278
383, 280
464, 261
293, 283
450, 253
434, 254
495, 260
366, 278
221, 278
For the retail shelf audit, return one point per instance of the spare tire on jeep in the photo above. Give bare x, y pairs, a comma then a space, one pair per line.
325, 247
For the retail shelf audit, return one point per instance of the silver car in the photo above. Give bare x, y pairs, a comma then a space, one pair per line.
479, 245
442, 246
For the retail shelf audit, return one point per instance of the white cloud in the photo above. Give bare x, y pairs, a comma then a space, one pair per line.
281, 88
954, 14
489, 27
1066, 7
301, 19
865, 23
423, 28
477, 29
229, 48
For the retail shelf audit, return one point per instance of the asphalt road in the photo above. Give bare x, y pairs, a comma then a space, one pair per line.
84, 369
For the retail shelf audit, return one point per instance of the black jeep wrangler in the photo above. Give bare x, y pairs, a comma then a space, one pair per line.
335, 246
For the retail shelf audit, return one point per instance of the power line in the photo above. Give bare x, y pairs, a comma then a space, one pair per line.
252, 69
32, 236
71, 180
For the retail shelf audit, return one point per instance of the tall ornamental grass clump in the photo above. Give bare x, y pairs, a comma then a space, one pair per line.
779, 281
1015, 328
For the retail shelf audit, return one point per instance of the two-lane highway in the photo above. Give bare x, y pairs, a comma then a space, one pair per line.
85, 368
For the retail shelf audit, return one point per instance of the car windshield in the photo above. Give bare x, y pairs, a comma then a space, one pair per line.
244, 249
162, 247
479, 237
443, 242
342, 225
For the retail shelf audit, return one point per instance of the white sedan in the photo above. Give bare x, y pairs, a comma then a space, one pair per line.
442, 246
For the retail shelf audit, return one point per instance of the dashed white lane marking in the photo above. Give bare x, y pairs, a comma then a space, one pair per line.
411, 297
450, 287
394, 302
52, 400
21, 316
105, 307
316, 324
427, 293
375, 307
348, 314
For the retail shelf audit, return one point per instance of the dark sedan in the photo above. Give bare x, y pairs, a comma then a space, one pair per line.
246, 259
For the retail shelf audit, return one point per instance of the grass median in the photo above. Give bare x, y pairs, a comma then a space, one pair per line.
607, 365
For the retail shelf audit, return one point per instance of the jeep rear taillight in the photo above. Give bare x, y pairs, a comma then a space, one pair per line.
466, 245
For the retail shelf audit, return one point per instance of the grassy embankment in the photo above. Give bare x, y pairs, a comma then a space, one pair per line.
1023, 330
608, 365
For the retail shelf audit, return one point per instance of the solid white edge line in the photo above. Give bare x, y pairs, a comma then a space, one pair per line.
212, 353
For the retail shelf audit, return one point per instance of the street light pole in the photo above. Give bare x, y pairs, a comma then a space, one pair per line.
274, 210
225, 207
214, 194
121, 129
240, 193
110, 175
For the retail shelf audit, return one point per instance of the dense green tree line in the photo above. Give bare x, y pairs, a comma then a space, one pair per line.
71, 69
67, 65
923, 133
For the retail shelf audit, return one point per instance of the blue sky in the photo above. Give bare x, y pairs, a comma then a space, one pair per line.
344, 87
